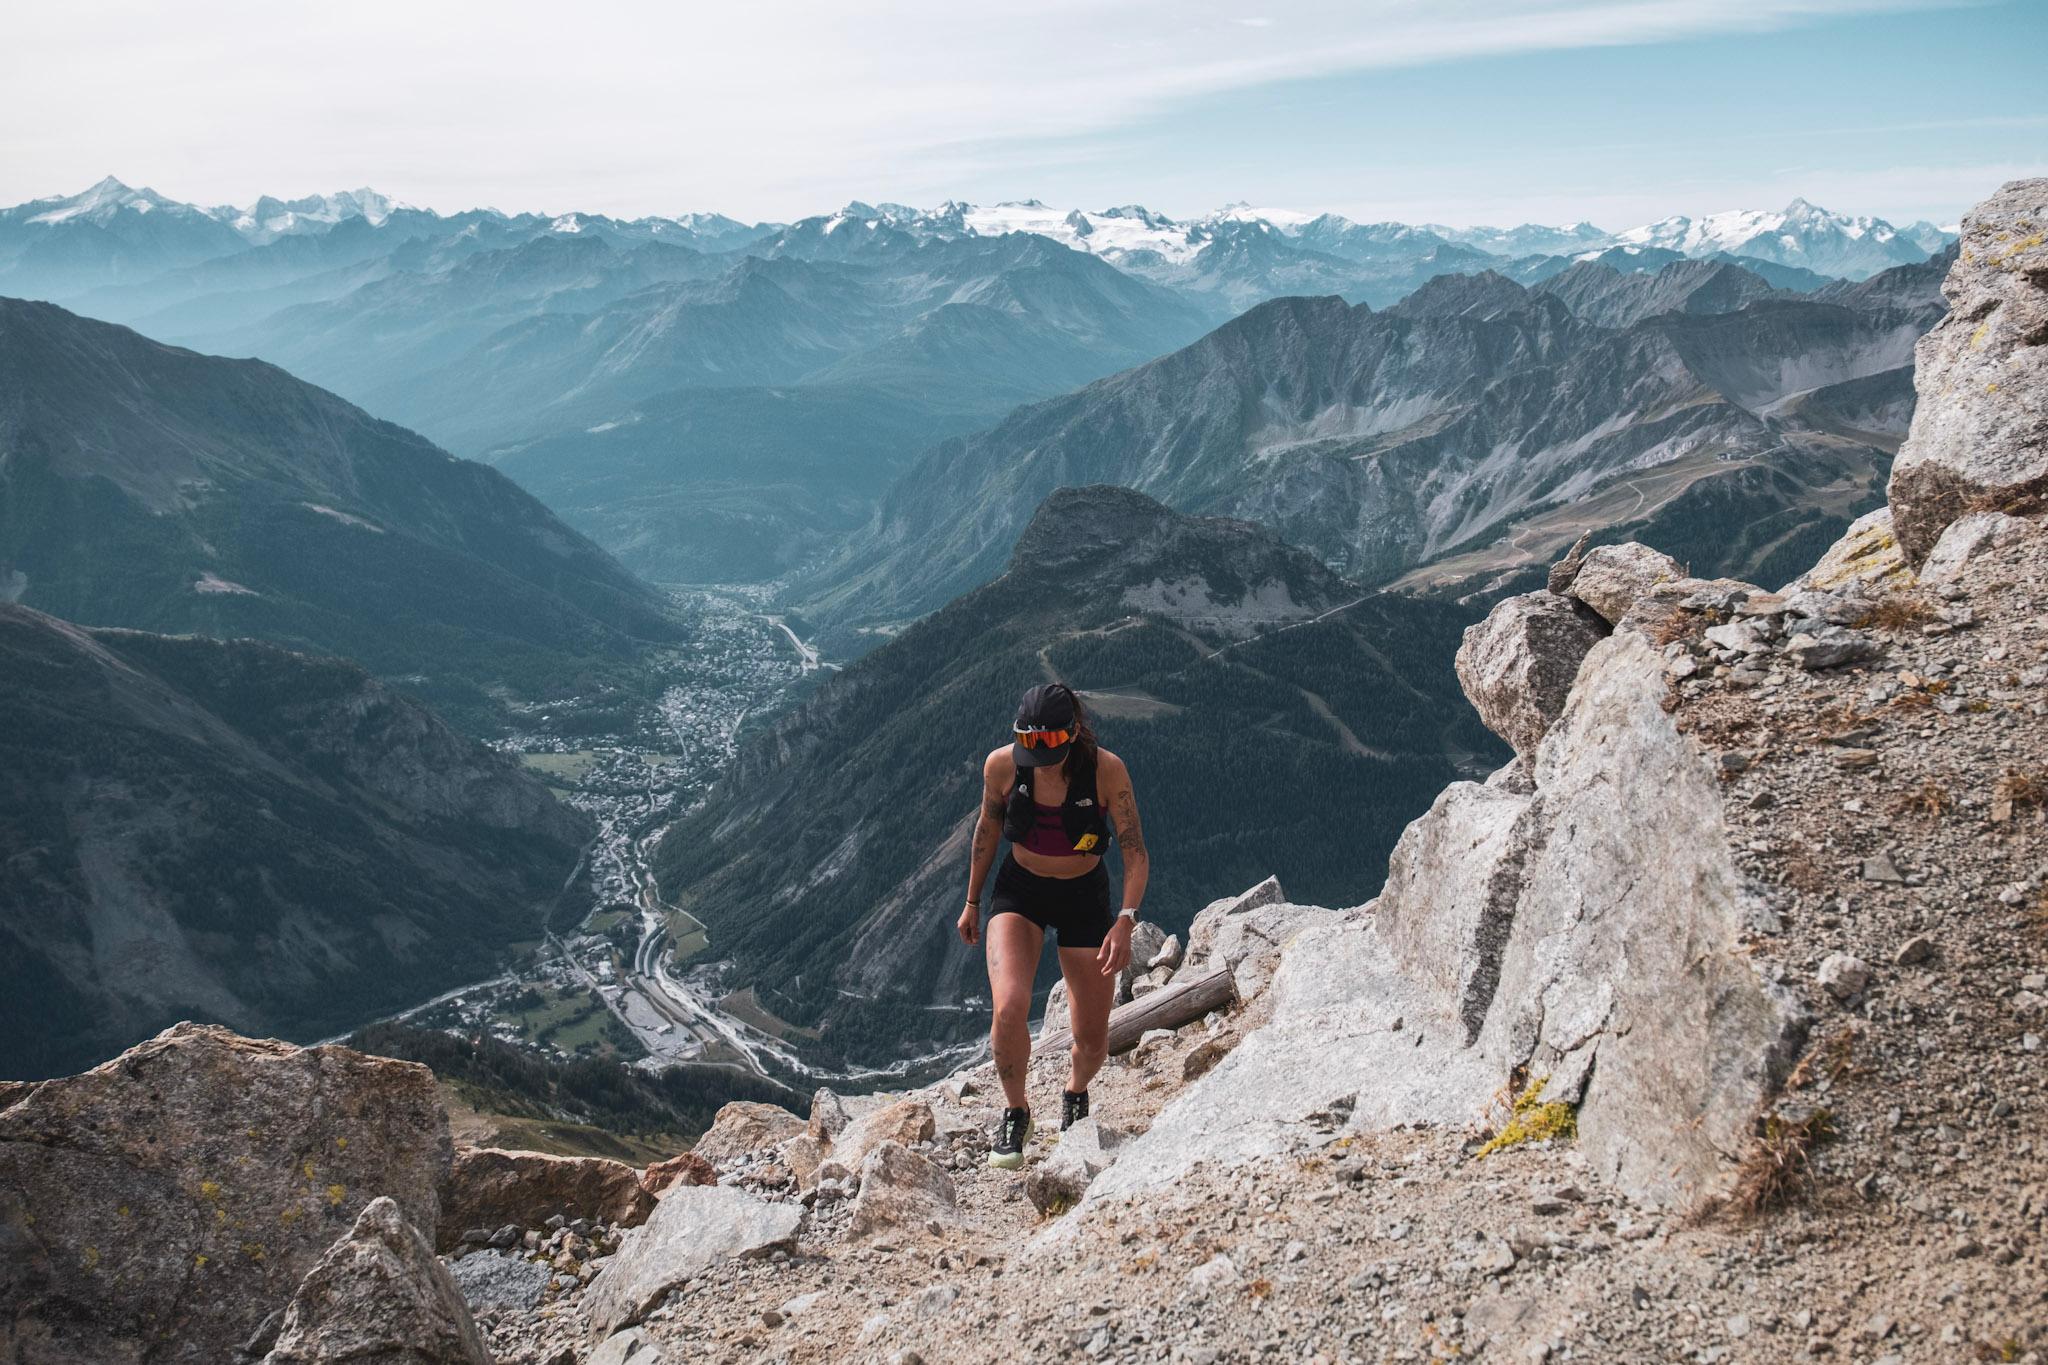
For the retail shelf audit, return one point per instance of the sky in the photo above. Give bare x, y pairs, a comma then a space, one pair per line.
1613, 111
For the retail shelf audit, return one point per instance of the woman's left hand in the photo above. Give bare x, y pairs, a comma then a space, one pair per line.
1115, 953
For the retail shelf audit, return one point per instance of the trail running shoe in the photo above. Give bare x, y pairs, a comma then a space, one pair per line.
1073, 1108
1008, 1153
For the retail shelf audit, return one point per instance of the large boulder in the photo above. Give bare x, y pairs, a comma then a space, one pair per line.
694, 1228
1612, 577
900, 1190
1979, 439
489, 1188
1626, 959
378, 1297
908, 1122
1517, 665
744, 1126
1211, 919
163, 1204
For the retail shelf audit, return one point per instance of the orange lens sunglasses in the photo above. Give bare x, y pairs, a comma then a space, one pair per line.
1047, 739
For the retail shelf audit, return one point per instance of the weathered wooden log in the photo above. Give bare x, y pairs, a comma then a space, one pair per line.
1168, 1007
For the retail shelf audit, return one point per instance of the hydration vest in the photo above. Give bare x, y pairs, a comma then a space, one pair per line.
1081, 816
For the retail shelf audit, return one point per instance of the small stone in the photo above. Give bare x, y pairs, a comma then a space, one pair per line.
1738, 1326
1882, 869
1213, 1274
1918, 948
1843, 976
1496, 1259
1878, 1327
1855, 760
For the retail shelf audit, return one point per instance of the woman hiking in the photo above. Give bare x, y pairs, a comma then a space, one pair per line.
1054, 793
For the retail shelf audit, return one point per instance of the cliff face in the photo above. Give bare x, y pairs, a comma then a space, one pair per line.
228, 831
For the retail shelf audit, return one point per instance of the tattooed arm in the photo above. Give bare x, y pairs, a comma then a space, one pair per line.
1115, 782
988, 836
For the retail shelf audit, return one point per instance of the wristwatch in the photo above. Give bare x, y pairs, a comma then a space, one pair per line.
1129, 912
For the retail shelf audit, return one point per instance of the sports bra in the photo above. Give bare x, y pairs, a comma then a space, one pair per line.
1075, 826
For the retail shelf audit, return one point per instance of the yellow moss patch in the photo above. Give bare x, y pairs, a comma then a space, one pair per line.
1534, 1121
335, 1194
1977, 337
209, 1189
92, 1258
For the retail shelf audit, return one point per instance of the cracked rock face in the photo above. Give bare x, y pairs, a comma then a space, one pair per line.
694, 1228
187, 1186
488, 1188
1517, 665
379, 1295
1979, 440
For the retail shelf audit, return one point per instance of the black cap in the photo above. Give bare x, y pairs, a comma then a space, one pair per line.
1048, 706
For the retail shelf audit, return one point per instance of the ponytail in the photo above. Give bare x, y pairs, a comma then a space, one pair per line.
1085, 745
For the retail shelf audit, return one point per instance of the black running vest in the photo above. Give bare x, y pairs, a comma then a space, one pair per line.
1080, 814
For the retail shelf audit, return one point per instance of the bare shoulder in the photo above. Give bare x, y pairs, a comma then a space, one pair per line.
999, 767
1110, 769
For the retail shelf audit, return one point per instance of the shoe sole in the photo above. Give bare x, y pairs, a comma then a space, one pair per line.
1001, 1162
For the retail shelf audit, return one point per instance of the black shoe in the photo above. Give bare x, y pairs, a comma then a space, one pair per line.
1073, 1108
1008, 1153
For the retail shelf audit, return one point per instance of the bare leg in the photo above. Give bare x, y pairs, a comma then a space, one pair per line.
1089, 996
1014, 944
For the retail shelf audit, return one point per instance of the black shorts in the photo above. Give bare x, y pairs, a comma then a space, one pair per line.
1075, 908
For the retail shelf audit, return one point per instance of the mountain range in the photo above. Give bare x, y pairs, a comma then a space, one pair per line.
1234, 672
1454, 422
714, 400
146, 486
231, 832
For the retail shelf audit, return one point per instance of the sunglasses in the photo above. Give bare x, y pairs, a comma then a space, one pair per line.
1044, 739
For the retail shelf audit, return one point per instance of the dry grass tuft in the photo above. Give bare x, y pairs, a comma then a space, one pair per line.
1832, 1057
1931, 797
1900, 611
1778, 1170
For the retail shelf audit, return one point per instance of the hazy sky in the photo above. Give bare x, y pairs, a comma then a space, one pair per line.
1616, 111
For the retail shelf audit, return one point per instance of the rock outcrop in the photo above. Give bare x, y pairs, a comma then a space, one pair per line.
1517, 665
162, 1205
746, 1126
488, 1187
1612, 577
1979, 440
378, 1297
1574, 930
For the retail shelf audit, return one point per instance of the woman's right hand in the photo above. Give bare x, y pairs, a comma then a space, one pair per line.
970, 924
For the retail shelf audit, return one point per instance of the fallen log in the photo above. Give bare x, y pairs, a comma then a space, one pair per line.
1168, 1007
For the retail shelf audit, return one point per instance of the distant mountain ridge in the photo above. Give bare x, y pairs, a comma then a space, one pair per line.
143, 485
1385, 440
228, 831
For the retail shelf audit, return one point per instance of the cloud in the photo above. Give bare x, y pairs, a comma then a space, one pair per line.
652, 107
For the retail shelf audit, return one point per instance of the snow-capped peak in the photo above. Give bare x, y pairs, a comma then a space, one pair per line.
1801, 233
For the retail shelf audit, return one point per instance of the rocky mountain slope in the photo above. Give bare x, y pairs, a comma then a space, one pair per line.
1276, 717
1474, 416
228, 831
1707, 1028
146, 486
